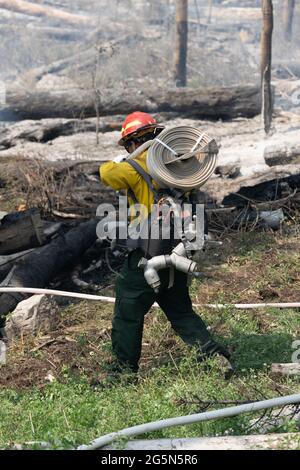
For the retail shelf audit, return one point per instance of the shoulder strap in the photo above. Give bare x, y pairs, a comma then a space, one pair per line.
143, 174
131, 194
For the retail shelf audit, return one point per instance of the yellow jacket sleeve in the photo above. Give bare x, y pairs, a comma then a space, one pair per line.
118, 175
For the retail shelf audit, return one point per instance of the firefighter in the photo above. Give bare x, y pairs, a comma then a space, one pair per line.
134, 297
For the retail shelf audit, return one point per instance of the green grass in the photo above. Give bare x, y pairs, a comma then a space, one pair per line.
72, 413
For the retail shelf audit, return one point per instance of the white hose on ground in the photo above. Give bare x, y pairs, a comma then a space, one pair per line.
58, 293
111, 300
254, 306
191, 419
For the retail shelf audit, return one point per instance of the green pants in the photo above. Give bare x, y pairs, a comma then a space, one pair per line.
134, 298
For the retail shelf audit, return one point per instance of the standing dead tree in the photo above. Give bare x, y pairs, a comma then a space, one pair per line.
210, 9
97, 74
97, 93
288, 17
266, 63
181, 44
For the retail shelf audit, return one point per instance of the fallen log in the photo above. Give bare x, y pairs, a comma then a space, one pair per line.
46, 130
32, 9
286, 370
60, 34
40, 267
7, 262
6, 259
259, 187
224, 103
21, 231
238, 14
284, 154
287, 69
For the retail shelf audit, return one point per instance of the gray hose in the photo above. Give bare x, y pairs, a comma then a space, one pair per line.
191, 419
188, 173
140, 150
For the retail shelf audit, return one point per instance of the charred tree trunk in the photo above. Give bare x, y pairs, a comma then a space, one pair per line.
21, 231
288, 16
32, 9
210, 8
282, 154
40, 267
226, 102
47, 130
266, 63
181, 44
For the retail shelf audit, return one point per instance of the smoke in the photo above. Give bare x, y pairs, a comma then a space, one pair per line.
141, 34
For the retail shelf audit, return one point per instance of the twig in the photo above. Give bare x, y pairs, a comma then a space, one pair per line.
31, 423
212, 403
47, 343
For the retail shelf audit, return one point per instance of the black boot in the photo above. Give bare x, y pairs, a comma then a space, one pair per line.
223, 357
225, 366
115, 373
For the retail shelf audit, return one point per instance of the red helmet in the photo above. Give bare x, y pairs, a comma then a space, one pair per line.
137, 122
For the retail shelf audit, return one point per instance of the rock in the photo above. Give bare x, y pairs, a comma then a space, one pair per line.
39, 312
2, 351
292, 369
229, 171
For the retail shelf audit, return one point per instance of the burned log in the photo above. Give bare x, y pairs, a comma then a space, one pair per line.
32, 9
225, 103
46, 130
41, 266
7, 262
238, 192
268, 191
60, 34
284, 154
21, 231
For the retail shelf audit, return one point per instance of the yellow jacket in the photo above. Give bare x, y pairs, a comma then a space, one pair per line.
123, 176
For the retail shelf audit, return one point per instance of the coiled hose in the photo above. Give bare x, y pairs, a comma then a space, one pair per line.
183, 158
